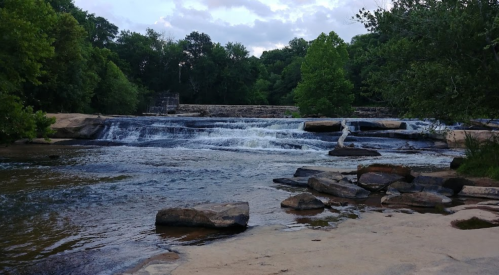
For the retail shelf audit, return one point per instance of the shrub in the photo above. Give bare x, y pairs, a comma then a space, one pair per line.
482, 158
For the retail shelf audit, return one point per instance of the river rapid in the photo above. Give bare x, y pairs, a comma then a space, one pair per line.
89, 207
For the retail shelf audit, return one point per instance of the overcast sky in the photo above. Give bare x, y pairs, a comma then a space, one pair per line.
257, 24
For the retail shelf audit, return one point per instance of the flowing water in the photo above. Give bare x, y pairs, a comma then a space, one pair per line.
90, 208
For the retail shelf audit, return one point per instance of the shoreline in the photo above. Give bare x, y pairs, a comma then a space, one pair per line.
377, 243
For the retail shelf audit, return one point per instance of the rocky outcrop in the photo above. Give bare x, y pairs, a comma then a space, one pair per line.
336, 184
77, 126
480, 192
296, 182
404, 171
216, 215
377, 181
406, 187
254, 111
456, 162
322, 126
304, 201
353, 152
379, 125
421, 199
444, 185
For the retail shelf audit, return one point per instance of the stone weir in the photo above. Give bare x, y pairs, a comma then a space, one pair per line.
269, 111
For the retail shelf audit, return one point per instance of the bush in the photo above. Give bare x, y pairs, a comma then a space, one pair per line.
482, 158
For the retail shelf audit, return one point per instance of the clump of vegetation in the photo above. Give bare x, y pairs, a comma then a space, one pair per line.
482, 158
473, 223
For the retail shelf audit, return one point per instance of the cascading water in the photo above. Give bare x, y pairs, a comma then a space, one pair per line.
91, 211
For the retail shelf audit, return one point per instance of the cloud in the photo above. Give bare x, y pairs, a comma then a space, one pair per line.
259, 25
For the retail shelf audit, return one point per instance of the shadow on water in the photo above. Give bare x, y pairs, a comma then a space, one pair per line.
180, 235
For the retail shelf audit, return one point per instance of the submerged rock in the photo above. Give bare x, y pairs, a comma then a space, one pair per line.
353, 152
377, 181
296, 181
480, 192
304, 201
217, 215
337, 185
422, 199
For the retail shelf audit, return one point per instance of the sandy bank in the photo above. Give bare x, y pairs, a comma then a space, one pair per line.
378, 243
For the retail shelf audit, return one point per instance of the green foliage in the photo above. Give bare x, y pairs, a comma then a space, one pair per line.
440, 58
17, 121
25, 42
482, 158
324, 89
116, 95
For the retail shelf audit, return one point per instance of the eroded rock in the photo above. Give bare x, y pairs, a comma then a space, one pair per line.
304, 201
337, 185
480, 192
217, 215
377, 181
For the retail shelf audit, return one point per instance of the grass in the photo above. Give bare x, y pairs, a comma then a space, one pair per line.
482, 158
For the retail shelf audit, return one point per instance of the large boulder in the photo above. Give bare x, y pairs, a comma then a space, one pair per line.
337, 185
377, 181
216, 215
353, 152
296, 181
480, 192
444, 185
77, 126
379, 125
456, 162
421, 199
304, 201
386, 168
406, 187
322, 126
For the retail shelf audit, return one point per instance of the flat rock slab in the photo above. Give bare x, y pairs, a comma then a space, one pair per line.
353, 152
422, 199
307, 171
480, 192
337, 186
304, 201
379, 125
454, 184
322, 126
377, 181
385, 168
215, 215
296, 181
77, 126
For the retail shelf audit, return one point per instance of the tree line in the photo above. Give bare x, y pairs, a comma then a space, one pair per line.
425, 58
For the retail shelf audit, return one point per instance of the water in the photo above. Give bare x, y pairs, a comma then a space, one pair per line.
92, 210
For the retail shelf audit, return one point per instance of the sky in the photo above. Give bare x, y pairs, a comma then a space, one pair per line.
257, 24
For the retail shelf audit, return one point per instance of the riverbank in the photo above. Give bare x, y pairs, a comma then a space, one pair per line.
377, 243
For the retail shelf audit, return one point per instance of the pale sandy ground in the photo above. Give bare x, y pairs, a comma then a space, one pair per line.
378, 243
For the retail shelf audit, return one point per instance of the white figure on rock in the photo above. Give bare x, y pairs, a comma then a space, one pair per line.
344, 134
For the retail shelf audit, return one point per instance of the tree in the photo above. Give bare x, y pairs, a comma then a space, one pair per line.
440, 59
324, 89
24, 42
17, 121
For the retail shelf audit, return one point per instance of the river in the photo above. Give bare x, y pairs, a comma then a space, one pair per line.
89, 207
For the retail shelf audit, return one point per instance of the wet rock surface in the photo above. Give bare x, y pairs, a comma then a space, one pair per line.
386, 168
377, 181
480, 192
322, 126
296, 181
217, 215
337, 185
353, 152
304, 201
